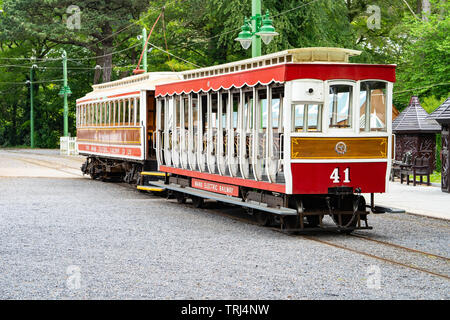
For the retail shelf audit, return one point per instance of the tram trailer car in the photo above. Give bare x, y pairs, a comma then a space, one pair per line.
292, 136
116, 127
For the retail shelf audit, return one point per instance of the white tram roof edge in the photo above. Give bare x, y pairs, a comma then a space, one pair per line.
299, 55
146, 81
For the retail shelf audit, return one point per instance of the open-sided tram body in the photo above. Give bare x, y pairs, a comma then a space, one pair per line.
293, 136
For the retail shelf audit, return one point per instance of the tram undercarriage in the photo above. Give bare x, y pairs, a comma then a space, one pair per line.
113, 170
291, 213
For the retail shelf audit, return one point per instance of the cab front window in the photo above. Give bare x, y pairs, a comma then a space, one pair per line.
340, 106
372, 103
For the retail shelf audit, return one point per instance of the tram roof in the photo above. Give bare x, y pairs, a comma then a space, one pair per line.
137, 83
303, 63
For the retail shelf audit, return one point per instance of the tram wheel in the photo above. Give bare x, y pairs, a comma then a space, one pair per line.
198, 202
263, 218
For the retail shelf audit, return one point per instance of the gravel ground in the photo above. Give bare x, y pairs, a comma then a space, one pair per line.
122, 244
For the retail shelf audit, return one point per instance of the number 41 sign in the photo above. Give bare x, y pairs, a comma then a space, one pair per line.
335, 176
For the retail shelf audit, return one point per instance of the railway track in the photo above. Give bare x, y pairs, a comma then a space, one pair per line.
47, 164
430, 263
413, 259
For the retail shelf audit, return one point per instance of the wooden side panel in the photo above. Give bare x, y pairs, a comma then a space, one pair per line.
112, 135
339, 148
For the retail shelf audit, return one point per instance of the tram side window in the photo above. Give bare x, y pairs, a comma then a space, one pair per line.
340, 107
126, 118
204, 112
307, 117
373, 106
177, 112
138, 111
103, 114
131, 113
186, 112
235, 108
95, 114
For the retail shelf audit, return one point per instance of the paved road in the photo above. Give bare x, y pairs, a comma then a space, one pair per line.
65, 237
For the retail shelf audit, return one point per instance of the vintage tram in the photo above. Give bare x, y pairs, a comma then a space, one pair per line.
116, 124
292, 136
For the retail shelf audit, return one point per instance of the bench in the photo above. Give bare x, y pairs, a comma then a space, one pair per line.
421, 168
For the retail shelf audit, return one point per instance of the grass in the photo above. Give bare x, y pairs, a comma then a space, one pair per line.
434, 177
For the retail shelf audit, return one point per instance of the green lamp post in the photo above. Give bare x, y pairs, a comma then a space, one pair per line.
30, 82
65, 92
255, 29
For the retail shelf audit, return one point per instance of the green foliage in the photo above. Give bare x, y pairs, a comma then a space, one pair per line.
424, 67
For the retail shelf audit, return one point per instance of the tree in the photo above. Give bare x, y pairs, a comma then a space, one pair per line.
47, 20
424, 69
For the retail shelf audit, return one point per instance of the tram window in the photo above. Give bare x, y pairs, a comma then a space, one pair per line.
118, 112
103, 114
177, 112
307, 117
108, 113
248, 110
195, 111
235, 106
93, 114
131, 112
114, 113
126, 112
224, 109
138, 111
204, 112
373, 106
186, 113
264, 110
214, 116
340, 107
275, 112
163, 113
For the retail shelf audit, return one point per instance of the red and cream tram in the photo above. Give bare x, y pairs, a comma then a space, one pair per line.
116, 126
293, 136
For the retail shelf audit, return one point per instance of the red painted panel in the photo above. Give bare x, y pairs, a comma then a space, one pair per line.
111, 151
221, 188
238, 79
315, 178
341, 71
281, 73
236, 181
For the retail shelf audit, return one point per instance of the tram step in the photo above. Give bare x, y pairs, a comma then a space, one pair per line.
227, 199
154, 189
153, 173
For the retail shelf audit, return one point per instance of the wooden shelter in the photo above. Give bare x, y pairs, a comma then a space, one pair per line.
442, 116
415, 134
